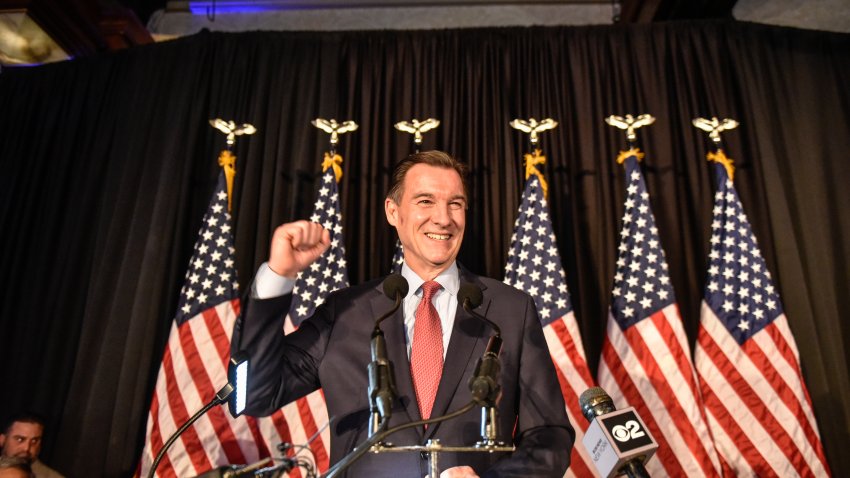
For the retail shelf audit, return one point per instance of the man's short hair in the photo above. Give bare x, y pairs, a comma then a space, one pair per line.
22, 417
16, 463
431, 158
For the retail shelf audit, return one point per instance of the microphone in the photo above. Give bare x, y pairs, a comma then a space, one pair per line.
395, 287
595, 402
618, 441
470, 296
484, 383
381, 384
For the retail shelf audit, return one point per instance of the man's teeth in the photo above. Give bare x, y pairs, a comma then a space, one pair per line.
439, 237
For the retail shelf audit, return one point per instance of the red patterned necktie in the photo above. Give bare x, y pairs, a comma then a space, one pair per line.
426, 353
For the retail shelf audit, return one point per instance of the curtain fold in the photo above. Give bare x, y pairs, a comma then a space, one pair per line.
109, 162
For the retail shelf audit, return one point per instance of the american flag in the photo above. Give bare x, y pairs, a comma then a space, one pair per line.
308, 415
398, 258
758, 407
534, 266
194, 364
646, 359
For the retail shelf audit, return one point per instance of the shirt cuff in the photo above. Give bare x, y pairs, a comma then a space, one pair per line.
268, 284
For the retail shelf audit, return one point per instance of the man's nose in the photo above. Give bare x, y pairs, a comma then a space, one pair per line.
440, 215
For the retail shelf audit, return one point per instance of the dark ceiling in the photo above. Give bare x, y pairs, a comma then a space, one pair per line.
143, 8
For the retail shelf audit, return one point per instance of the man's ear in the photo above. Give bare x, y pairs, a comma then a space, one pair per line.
391, 210
2, 439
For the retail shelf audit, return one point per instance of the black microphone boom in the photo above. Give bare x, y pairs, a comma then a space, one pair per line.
484, 383
470, 296
381, 383
471, 292
396, 288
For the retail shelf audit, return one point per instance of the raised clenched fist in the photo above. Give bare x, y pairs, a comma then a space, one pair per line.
296, 245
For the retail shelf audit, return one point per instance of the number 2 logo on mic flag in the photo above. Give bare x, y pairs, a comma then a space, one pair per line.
627, 430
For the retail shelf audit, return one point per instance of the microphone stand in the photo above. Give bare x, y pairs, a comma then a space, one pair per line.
381, 389
484, 388
634, 469
484, 383
433, 447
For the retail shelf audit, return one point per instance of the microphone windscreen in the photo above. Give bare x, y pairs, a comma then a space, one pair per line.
394, 285
472, 292
594, 402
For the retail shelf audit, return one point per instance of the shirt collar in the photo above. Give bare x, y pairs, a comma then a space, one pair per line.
449, 279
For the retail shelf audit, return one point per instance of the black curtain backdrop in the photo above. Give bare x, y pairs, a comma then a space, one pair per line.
108, 164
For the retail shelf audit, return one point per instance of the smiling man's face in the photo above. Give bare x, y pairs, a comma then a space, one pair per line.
430, 218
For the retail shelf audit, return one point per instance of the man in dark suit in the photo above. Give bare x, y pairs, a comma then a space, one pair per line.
432, 341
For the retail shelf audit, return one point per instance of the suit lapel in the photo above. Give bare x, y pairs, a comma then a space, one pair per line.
467, 333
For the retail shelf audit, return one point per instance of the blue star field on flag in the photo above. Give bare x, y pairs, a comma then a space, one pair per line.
641, 281
739, 288
211, 277
534, 265
398, 258
329, 272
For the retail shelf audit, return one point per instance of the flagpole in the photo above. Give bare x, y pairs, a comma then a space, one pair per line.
533, 128
714, 127
534, 156
538, 271
416, 128
226, 159
646, 358
208, 300
743, 330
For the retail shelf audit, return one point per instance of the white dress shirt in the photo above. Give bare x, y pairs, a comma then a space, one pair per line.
268, 284
445, 301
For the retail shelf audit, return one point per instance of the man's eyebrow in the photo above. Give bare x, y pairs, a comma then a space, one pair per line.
432, 196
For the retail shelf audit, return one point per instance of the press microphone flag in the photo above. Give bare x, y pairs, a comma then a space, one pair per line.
617, 441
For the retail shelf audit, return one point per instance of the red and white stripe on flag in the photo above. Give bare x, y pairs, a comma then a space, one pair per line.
646, 359
567, 351
194, 364
758, 408
749, 369
307, 417
647, 366
534, 266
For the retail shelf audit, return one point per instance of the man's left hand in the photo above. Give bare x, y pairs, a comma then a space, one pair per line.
458, 472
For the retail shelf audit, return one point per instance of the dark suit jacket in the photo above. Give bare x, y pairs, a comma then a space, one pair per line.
331, 350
